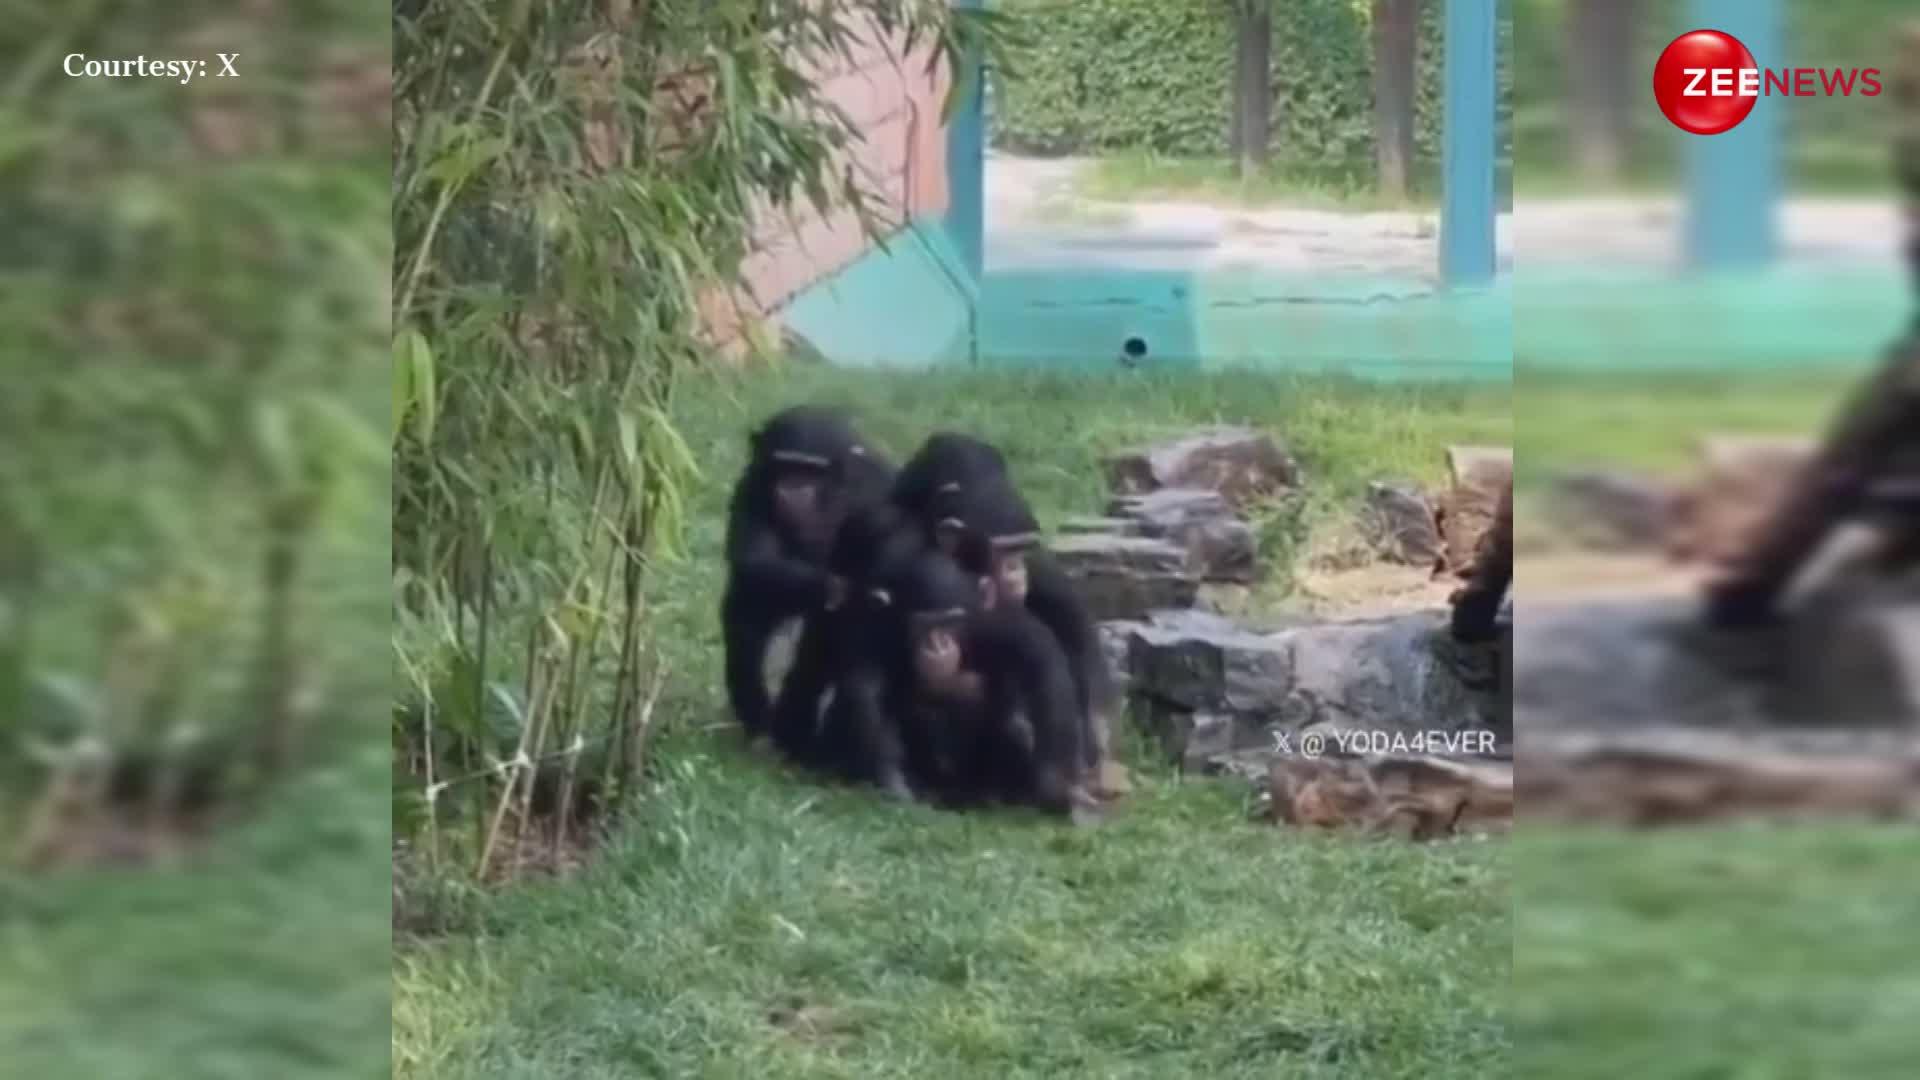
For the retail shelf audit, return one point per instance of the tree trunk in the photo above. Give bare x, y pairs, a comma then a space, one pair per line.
1396, 36
1600, 66
1253, 87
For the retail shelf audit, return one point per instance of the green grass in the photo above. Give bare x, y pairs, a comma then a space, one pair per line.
1653, 422
1815, 164
1740, 952
1177, 940
1135, 177
268, 953
268, 958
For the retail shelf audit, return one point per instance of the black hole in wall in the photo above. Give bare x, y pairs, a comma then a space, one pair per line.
1135, 348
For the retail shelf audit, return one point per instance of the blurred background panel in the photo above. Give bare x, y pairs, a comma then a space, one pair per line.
194, 505
1719, 626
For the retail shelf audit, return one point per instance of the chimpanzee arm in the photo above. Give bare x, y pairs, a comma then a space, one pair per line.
869, 746
764, 571
1028, 671
1052, 600
796, 712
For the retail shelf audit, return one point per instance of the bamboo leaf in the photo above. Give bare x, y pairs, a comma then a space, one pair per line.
422, 380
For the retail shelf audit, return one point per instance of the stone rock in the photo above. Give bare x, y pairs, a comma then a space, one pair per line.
1843, 660
1615, 511
1116, 647
1480, 474
1200, 661
1398, 674
1628, 663
1220, 543
1241, 464
1086, 526
1208, 687
1744, 480
1124, 577
1400, 525
1854, 658
1669, 780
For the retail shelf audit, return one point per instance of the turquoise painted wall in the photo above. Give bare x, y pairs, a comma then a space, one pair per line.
1372, 326
909, 304
1786, 315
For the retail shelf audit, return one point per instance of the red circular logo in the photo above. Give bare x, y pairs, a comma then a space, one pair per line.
1706, 82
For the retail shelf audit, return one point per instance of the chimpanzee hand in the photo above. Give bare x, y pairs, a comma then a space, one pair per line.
937, 663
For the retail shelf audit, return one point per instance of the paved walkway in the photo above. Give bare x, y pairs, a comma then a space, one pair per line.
1035, 221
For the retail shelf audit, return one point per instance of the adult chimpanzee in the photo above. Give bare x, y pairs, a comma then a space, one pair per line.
959, 487
847, 647
985, 702
945, 459
1476, 605
808, 468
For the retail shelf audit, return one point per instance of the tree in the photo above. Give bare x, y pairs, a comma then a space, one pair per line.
1396, 36
1252, 85
1600, 65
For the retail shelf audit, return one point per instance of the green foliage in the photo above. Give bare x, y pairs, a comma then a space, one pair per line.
570, 182
1179, 939
1832, 143
1103, 76
193, 564
190, 294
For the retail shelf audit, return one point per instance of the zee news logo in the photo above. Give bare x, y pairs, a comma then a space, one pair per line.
1707, 82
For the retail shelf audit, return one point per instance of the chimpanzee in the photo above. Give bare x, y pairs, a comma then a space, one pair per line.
946, 458
985, 702
808, 467
847, 646
960, 489
1476, 605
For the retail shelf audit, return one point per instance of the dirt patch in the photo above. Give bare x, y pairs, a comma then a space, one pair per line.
1584, 574
1675, 778
1373, 590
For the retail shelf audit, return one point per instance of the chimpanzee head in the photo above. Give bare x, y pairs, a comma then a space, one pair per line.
935, 597
987, 529
802, 455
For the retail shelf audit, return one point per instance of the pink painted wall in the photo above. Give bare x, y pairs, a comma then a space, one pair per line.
900, 162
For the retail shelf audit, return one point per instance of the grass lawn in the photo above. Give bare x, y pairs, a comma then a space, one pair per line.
1743, 951
269, 959
745, 921
1137, 177
268, 955
1654, 423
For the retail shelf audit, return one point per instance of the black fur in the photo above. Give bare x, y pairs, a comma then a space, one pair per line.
846, 653
776, 570
958, 476
1021, 742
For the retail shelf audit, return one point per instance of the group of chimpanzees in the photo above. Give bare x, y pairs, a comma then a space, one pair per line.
942, 655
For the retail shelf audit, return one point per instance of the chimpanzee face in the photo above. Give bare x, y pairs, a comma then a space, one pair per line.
1009, 575
802, 499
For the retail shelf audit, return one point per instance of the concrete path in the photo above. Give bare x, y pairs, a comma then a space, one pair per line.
1036, 221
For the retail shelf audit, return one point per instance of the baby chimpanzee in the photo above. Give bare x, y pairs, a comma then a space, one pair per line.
985, 699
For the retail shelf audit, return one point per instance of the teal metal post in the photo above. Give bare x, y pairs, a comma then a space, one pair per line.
1466, 212
1733, 178
966, 167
